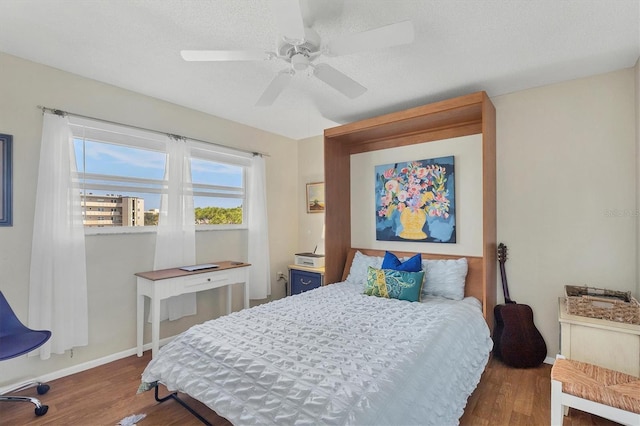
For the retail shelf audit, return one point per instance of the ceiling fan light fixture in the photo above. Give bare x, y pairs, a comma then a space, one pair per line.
310, 43
300, 62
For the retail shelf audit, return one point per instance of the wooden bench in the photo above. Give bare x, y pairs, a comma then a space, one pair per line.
596, 390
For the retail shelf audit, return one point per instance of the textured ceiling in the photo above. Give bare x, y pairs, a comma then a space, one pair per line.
460, 46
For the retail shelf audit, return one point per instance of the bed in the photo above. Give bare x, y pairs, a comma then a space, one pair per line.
334, 355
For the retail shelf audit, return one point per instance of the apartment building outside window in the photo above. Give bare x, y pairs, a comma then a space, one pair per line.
121, 210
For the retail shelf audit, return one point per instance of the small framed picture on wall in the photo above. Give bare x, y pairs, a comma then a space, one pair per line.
5, 180
315, 197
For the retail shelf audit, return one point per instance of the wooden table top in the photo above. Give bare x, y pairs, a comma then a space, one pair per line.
163, 274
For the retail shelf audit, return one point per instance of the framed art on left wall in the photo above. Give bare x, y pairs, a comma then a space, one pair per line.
5, 180
315, 197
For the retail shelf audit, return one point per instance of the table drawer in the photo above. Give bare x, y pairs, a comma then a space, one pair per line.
302, 281
203, 281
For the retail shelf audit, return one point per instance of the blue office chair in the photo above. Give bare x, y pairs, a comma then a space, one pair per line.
16, 339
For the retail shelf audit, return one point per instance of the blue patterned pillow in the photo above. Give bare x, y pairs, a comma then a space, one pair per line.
393, 284
391, 261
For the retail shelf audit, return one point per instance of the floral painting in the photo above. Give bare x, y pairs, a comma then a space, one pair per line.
415, 201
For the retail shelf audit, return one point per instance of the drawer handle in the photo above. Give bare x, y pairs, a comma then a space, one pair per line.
305, 282
208, 280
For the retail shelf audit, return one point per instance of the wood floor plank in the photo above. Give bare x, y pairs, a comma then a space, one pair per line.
524, 398
500, 413
104, 395
510, 407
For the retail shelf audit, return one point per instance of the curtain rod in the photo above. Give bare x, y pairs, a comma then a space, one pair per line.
173, 136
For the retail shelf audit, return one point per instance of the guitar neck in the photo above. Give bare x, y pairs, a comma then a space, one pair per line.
505, 286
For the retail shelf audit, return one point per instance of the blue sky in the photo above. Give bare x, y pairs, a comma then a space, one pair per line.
117, 160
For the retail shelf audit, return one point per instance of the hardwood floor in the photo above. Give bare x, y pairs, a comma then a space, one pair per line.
107, 394
510, 396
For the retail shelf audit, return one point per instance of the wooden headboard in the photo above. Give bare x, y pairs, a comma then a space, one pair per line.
473, 287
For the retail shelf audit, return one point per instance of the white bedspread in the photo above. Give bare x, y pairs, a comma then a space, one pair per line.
332, 356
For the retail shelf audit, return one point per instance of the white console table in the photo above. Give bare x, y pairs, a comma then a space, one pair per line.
162, 284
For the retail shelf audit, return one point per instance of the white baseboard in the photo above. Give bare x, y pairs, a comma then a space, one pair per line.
83, 366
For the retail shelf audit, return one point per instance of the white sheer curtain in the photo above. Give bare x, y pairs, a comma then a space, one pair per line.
176, 236
260, 277
58, 277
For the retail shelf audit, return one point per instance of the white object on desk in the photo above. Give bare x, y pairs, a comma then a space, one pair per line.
162, 284
310, 260
609, 344
199, 267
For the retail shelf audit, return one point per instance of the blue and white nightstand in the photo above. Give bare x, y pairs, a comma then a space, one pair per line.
304, 278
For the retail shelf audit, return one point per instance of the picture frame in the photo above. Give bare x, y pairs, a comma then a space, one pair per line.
315, 197
6, 192
415, 201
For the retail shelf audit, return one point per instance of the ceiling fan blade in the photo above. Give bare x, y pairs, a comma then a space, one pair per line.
288, 16
339, 81
276, 87
378, 38
225, 55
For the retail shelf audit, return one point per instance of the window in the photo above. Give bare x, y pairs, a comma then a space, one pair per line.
218, 192
121, 179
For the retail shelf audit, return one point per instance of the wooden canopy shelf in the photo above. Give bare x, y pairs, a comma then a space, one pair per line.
466, 115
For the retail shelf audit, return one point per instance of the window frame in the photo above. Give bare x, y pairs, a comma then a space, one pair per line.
137, 138
201, 151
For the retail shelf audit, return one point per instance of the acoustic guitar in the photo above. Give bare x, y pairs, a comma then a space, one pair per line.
516, 340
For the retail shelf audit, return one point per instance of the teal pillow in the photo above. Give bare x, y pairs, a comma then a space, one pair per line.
393, 284
391, 261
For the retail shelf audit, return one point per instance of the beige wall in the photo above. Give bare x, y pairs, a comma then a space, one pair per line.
566, 192
566, 172
311, 167
113, 259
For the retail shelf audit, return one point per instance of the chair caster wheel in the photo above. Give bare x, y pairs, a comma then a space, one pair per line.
42, 410
42, 389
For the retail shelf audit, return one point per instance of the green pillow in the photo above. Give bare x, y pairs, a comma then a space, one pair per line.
392, 284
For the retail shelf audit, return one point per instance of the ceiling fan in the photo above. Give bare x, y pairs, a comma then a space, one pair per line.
301, 46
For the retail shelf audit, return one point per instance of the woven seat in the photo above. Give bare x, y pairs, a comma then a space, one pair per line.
597, 390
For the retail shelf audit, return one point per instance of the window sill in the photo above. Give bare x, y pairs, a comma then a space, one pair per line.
116, 230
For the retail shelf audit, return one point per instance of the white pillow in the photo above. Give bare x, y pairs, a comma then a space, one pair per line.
445, 278
360, 266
